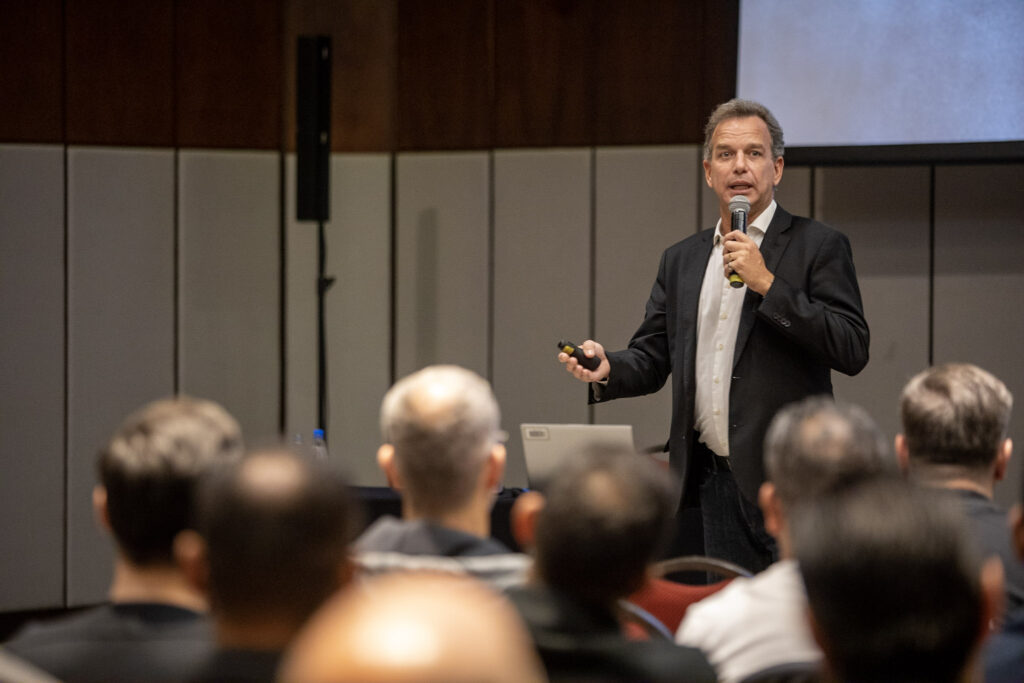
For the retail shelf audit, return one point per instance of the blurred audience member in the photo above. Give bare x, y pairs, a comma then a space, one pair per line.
955, 424
1004, 657
605, 515
755, 624
414, 627
896, 590
442, 451
269, 548
153, 629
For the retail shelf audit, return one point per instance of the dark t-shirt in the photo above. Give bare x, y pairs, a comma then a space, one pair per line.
239, 666
992, 535
118, 642
584, 642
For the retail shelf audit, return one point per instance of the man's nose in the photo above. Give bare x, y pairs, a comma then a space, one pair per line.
739, 162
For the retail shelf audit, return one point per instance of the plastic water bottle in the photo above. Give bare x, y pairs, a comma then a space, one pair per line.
319, 445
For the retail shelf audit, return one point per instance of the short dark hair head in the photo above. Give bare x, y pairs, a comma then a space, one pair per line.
816, 445
955, 414
150, 467
277, 526
892, 581
737, 109
607, 515
442, 422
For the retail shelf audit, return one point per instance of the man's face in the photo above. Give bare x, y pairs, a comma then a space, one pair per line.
741, 163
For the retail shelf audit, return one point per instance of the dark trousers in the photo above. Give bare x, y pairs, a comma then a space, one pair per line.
716, 520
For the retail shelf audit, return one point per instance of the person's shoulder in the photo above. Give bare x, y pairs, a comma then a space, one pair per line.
804, 225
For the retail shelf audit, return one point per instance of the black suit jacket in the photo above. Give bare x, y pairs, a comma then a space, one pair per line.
810, 322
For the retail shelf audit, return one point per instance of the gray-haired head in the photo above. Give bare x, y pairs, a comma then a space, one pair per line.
816, 445
737, 108
442, 422
955, 415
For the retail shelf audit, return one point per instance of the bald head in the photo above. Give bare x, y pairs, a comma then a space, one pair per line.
415, 627
276, 528
442, 423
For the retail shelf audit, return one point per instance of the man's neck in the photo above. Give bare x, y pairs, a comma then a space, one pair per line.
268, 634
158, 583
474, 518
954, 477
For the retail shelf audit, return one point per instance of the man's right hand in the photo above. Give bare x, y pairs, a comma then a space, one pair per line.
591, 349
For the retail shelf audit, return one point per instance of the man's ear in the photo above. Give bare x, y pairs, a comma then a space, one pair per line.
494, 470
993, 597
899, 445
771, 509
190, 554
1003, 458
386, 461
523, 518
99, 507
1016, 518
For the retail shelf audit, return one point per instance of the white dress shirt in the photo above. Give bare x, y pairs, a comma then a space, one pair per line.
718, 321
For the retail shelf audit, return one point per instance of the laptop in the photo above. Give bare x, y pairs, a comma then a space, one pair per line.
545, 446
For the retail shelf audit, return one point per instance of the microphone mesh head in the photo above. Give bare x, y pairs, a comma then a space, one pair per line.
739, 203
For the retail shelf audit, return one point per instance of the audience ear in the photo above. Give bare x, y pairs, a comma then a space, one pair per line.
1017, 528
523, 517
770, 508
993, 597
495, 469
386, 461
899, 446
1003, 458
99, 506
190, 554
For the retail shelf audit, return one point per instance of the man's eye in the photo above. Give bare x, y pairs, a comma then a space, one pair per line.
755, 153
723, 155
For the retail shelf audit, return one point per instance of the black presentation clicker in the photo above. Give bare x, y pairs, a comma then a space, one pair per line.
577, 353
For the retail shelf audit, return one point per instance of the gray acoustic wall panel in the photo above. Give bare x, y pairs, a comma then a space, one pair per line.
645, 201
442, 260
542, 271
229, 284
120, 324
979, 280
885, 213
32, 376
794, 192
358, 312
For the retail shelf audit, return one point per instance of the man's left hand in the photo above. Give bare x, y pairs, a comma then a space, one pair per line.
740, 255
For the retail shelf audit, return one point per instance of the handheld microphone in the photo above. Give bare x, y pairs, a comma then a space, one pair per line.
588, 362
739, 207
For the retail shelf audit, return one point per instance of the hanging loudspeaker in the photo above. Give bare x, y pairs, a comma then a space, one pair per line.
313, 129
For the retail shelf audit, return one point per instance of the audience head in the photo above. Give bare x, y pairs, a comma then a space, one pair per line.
272, 537
604, 516
441, 439
955, 422
149, 469
817, 444
414, 627
737, 108
895, 589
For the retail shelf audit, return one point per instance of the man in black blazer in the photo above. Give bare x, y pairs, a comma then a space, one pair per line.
737, 354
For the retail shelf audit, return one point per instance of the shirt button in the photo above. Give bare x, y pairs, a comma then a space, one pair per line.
721, 346
716, 380
724, 316
717, 411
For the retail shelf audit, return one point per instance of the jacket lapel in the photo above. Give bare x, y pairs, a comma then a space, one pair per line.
772, 248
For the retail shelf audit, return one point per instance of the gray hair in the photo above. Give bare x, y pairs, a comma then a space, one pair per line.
955, 414
817, 445
737, 108
442, 422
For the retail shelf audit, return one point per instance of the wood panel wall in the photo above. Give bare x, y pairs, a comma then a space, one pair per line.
407, 75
